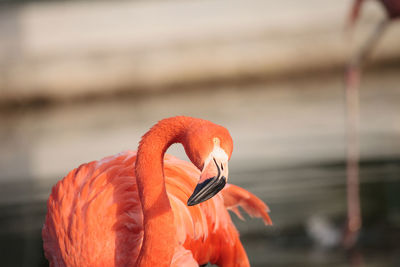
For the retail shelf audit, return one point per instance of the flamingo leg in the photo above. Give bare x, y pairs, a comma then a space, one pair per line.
352, 84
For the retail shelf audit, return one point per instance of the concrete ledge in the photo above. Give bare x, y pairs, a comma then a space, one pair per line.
70, 49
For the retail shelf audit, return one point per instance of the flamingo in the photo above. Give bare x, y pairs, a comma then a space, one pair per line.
352, 84
138, 209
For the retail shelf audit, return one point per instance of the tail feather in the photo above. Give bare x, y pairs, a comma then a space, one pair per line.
235, 197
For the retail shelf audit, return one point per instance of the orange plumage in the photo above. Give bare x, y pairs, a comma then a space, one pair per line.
96, 217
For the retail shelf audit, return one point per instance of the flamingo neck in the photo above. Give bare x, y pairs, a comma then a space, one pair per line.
158, 220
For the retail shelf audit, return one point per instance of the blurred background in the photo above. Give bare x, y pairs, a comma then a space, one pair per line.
81, 80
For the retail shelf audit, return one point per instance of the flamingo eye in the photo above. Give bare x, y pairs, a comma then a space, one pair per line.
216, 141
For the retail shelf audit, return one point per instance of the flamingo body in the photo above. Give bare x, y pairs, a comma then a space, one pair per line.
130, 209
102, 224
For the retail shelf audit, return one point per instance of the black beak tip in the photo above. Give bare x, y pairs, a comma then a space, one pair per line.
206, 190
190, 202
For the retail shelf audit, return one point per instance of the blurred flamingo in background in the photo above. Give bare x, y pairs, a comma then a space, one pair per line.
130, 209
352, 83
392, 8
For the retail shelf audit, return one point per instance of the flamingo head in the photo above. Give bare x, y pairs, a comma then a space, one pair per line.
209, 147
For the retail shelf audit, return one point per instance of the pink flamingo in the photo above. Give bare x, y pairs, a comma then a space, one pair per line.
130, 209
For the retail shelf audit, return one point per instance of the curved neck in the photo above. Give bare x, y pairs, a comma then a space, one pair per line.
158, 220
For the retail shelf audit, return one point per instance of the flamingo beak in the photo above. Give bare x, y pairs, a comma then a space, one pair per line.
212, 179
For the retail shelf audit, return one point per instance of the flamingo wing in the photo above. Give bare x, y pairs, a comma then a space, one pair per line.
183, 257
235, 197
94, 215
